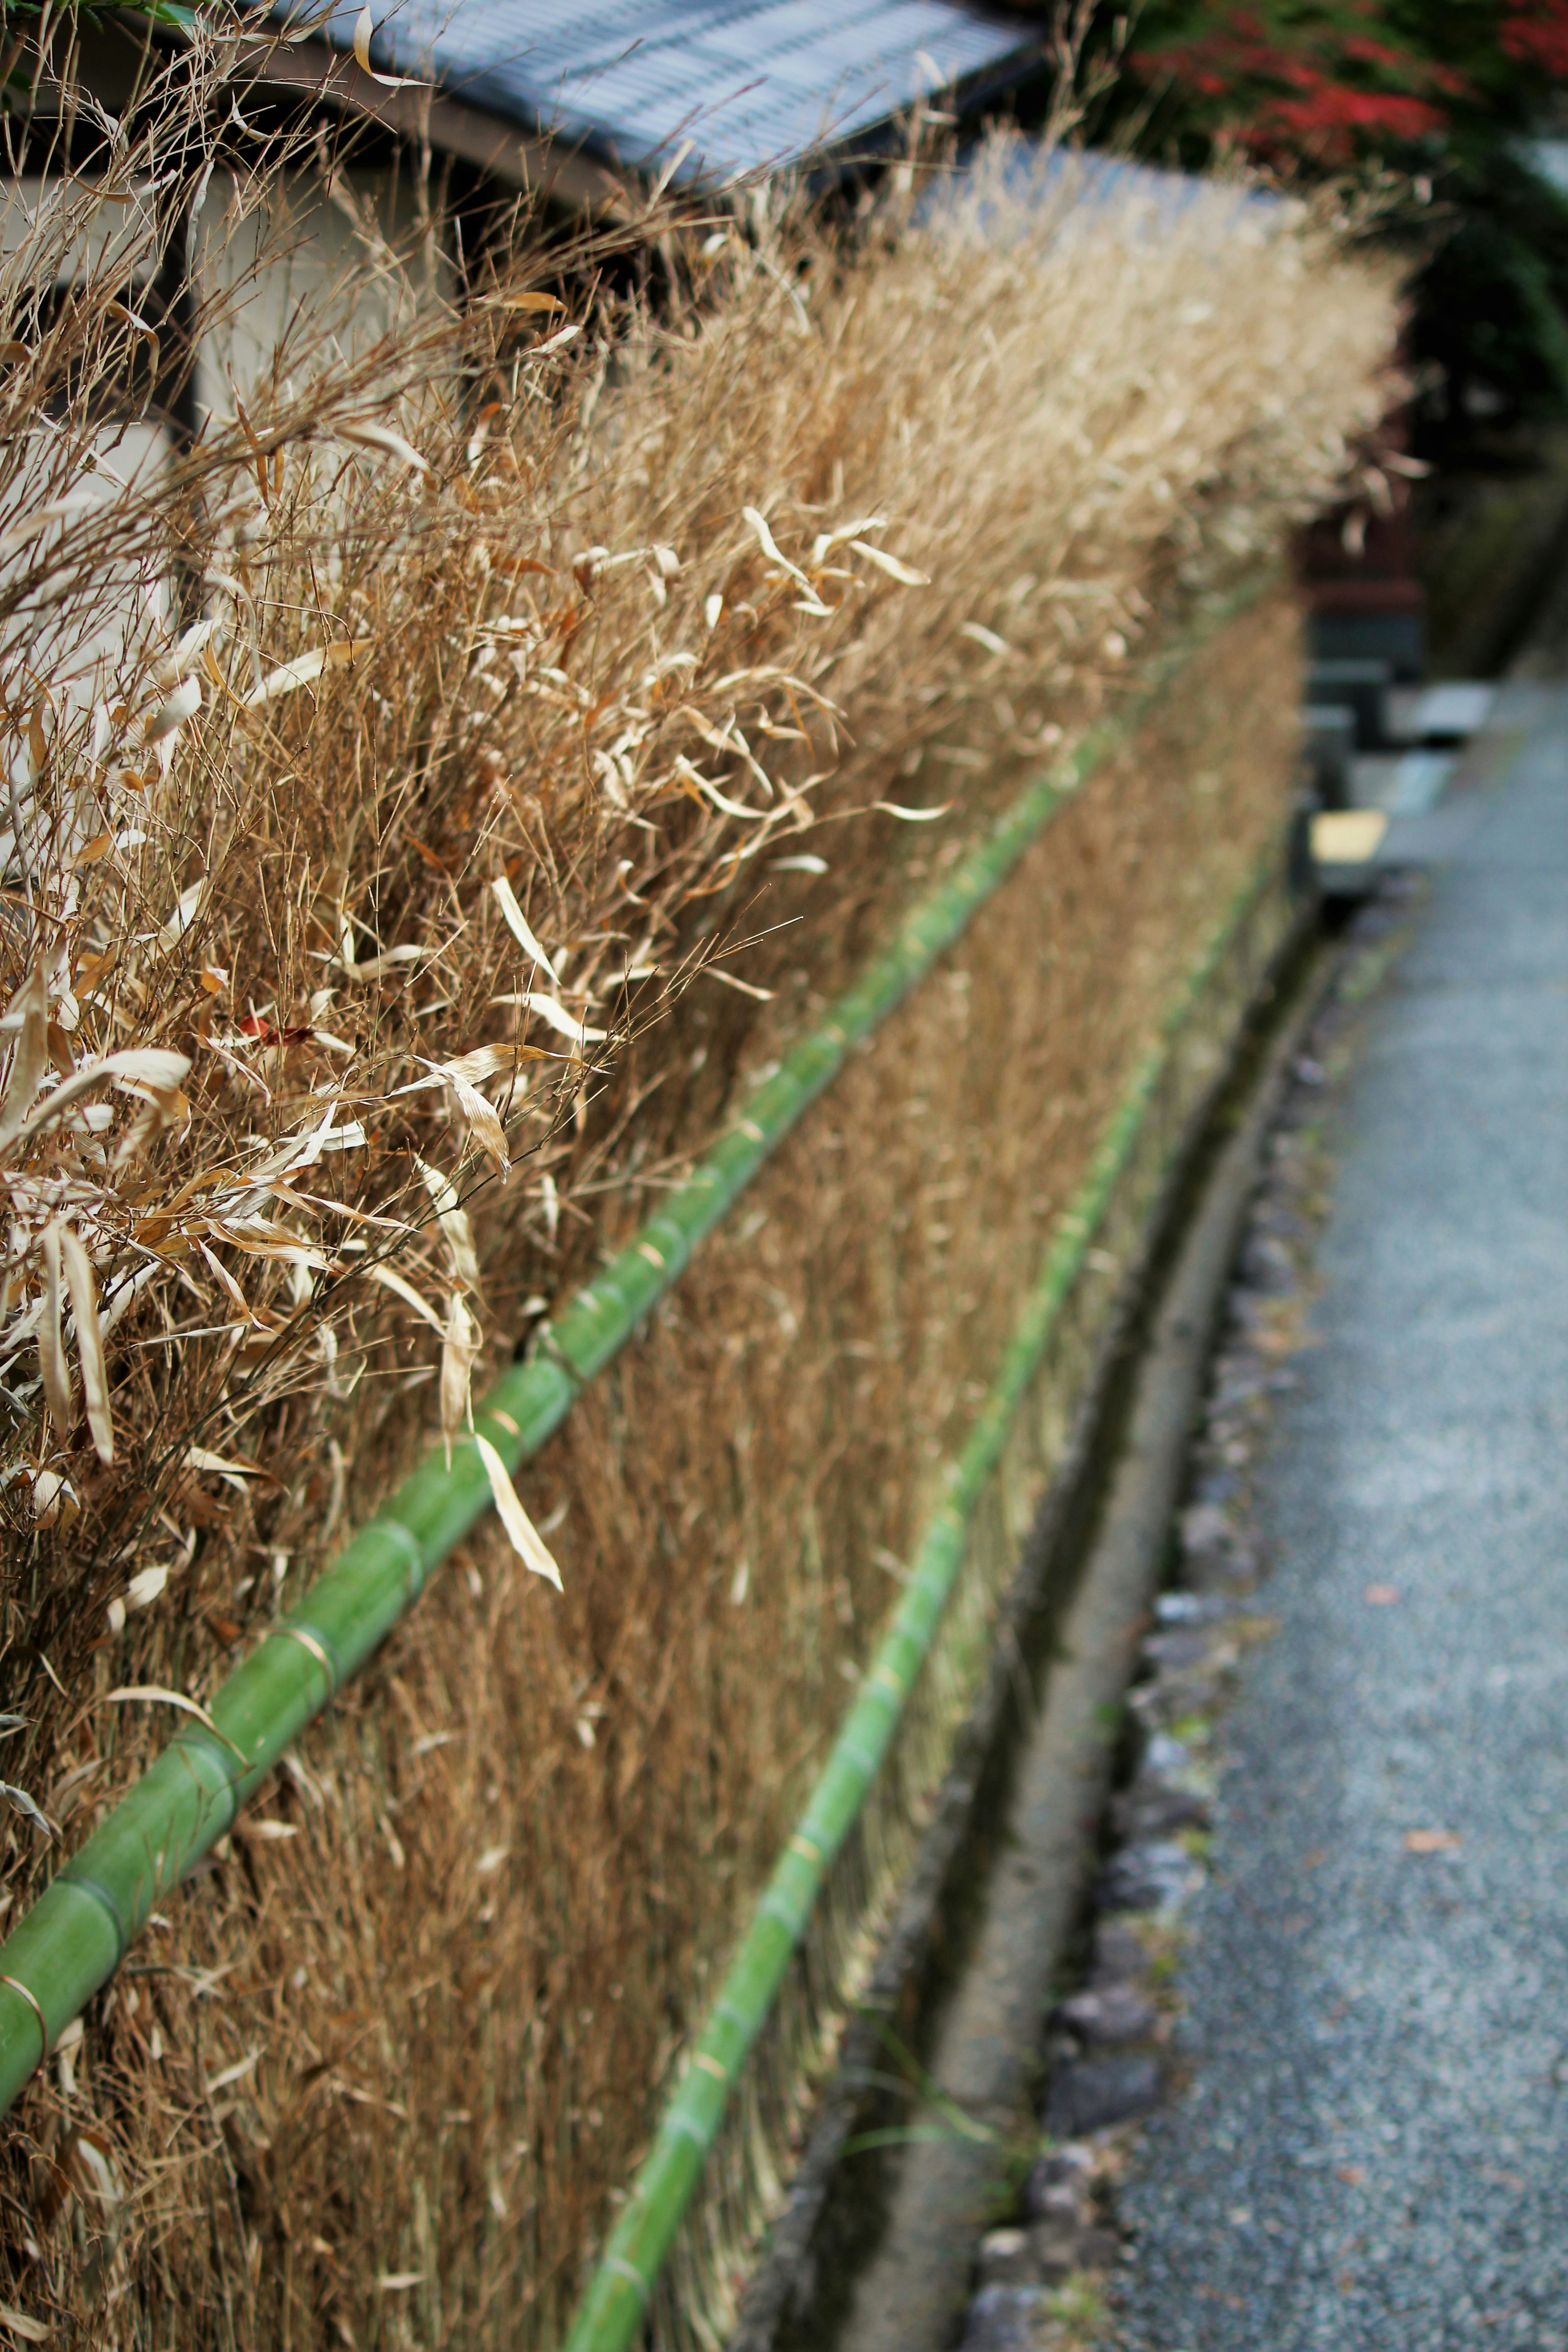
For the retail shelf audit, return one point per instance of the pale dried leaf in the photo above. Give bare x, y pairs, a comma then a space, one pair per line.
51, 1347
455, 1230
299, 672
526, 1540
826, 540
241, 2067
517, 923
459, 1346
28, 1014
173, 712
744, 987
221, 1465
156, 1696
371, 435
29, 1809
484, 1125
771, 547
390, 1280
55, 1499
187, 907
472, 1069
373, 967
88, 1342
555, 1016
365, 25
144, 1070
891, 565
31, 2331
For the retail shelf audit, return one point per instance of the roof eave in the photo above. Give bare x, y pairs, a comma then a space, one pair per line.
542, 166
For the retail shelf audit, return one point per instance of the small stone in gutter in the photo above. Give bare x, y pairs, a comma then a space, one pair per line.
1098, 2092
1168, 1758
1117, 2013
1007, 2258
1064, 2175
1119, 1955
1190, 1608
1182, 1646
1206, 1527
1172, 1697
1097, 2250
1054, 2247
1006, 2319
1156, 1875
1151, 1809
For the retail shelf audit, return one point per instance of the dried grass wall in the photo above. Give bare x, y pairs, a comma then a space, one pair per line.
641, 614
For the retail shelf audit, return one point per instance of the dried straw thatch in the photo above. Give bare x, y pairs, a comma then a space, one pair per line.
456, 853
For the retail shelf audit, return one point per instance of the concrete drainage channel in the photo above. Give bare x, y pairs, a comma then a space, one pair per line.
1044, 2278
960, 2187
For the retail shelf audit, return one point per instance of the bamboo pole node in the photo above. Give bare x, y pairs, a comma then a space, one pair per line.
629, 2271
31, 1999
102, 1897
317, 1649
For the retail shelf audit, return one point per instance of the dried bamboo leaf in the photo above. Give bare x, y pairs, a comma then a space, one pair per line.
771, 548
555, 1016
903, 573
455, 1230
88, 1342
517, 922
146, 1070
371, 435
526, 1540
459, 1346
484, 1124
291, 674
51, 1347
28, 1014
390, 1280
364, 27
156, 1696
173, 712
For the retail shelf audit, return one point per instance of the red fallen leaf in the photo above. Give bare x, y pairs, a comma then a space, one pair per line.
1432, 1840
257, 1025
1351, 2174
1381, 1596
228, 1632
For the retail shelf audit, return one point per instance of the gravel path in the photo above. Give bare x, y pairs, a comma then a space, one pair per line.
1373, 2148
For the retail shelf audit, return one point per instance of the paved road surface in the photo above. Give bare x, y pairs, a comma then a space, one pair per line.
1374, 2148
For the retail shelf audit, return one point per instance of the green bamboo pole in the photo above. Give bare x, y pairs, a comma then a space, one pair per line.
617, 2303
76, 1935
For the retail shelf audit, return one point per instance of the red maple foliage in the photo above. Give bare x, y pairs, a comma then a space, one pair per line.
1323, 92
1537, 35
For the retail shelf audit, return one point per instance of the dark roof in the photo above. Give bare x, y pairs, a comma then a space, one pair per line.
750, 83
